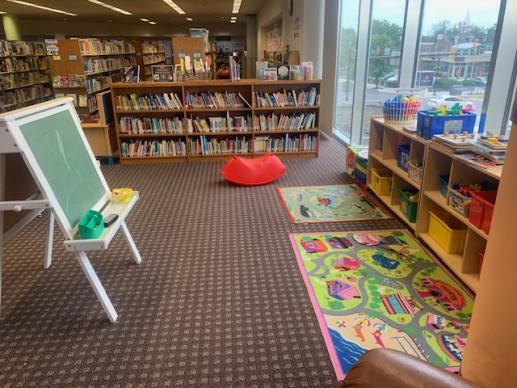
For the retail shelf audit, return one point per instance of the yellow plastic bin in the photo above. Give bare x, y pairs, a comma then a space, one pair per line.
447, 231
381, 181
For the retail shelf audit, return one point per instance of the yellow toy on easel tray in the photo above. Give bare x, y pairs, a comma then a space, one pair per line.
122, 195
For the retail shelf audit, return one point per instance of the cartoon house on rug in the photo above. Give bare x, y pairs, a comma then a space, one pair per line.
345, 263
444, 294
341, 290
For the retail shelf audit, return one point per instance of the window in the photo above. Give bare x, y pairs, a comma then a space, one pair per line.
384, 56
455, 51
345, 76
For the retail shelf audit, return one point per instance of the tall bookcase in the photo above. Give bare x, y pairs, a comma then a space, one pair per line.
148, 54
231, 129
24, 74
436, 162
85, 67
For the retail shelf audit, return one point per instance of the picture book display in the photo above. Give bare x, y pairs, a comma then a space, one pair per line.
334, 203
382, 289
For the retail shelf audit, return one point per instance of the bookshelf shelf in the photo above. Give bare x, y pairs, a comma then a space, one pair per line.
436, 161
303, 142
86, 67
24, 74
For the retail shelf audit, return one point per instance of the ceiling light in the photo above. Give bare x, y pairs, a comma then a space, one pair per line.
174, 6
144, 20
110, 7
236, 6
233, 21
189, 19
234, 18
2, 13
152, 22
42, 7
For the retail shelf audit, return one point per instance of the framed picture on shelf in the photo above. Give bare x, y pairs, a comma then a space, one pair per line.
163, 73
132, 74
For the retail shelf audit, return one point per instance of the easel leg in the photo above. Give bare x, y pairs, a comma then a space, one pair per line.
97, 286
48, 256
132, 245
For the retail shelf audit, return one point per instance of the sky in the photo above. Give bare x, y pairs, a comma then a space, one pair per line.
483, 13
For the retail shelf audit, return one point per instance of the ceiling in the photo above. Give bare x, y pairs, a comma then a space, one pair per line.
202, 11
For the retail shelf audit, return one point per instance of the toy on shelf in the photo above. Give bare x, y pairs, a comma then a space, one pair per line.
401, 108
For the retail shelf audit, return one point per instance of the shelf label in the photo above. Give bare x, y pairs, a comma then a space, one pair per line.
56, 57
452, 127
72, 57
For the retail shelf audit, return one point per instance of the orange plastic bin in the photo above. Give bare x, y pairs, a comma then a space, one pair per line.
482, 209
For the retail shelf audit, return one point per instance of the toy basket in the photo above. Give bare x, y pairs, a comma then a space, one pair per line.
459, 202
429, 125
448, 232
408, 207
415, 170
381, 181
444, 185
482, 209
401, 105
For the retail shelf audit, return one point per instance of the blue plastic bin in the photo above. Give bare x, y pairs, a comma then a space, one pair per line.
429, 125
403, 156
444, 185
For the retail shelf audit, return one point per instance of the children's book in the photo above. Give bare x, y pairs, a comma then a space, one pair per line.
163, 73
270, 74
132, 74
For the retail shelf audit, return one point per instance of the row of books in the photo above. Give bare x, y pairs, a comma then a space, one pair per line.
153, 148
216, 146
150, 125
150, 101
152, 47
79, 100
21, 80
287, 98
153, 58
105, 47
193, 66
19, 97
218, 124
293, 122
285, 143
217, 100
18, 64
21, 47
95, 65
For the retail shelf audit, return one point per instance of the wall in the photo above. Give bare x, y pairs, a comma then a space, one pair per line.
491, 351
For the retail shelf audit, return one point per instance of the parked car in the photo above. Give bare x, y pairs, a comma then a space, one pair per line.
480, 81
450, 101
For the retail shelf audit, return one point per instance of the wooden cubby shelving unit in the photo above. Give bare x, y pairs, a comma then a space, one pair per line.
245, 87
384, 139
75, 59
24, 74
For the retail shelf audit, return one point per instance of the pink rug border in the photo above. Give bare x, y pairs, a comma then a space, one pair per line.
314, 301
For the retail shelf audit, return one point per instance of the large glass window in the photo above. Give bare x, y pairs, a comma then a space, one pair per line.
384, 56
456, 51
347, 52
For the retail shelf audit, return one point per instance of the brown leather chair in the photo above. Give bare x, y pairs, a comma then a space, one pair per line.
387, 368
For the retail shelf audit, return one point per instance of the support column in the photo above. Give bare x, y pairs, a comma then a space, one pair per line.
11, 27
312, 34
251, 44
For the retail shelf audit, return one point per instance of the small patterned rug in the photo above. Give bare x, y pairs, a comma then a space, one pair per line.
335, 203
382, 289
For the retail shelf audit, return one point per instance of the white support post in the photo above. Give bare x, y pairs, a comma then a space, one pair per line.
97, 286
131, 243
411, 41
50, 241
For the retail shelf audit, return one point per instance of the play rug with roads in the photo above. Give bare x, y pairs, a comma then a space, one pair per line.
378, 289
335, 203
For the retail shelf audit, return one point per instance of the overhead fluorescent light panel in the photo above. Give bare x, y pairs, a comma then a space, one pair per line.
113, 8
174, 6
42, 7
236, 6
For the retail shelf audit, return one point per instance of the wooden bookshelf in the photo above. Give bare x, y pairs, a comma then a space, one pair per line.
24, 74
251, 135
149, 53
437, 161
85, 67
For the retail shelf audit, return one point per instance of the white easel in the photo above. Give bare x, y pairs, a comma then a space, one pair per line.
12, 140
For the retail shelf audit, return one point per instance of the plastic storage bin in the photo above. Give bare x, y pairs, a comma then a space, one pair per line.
459, 202
408, 207
429, 125
360, 177
415, 170
381, 181
447, 231
403, 156
444, 185
482, 209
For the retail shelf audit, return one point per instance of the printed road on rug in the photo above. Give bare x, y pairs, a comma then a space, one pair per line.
336, 203
376, 289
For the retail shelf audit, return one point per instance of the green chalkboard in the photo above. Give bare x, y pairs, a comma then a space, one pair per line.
62, 156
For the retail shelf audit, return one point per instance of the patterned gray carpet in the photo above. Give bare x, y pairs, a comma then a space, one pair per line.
217, 302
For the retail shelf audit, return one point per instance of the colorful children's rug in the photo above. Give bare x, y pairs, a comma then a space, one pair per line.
313, 204
378, 289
